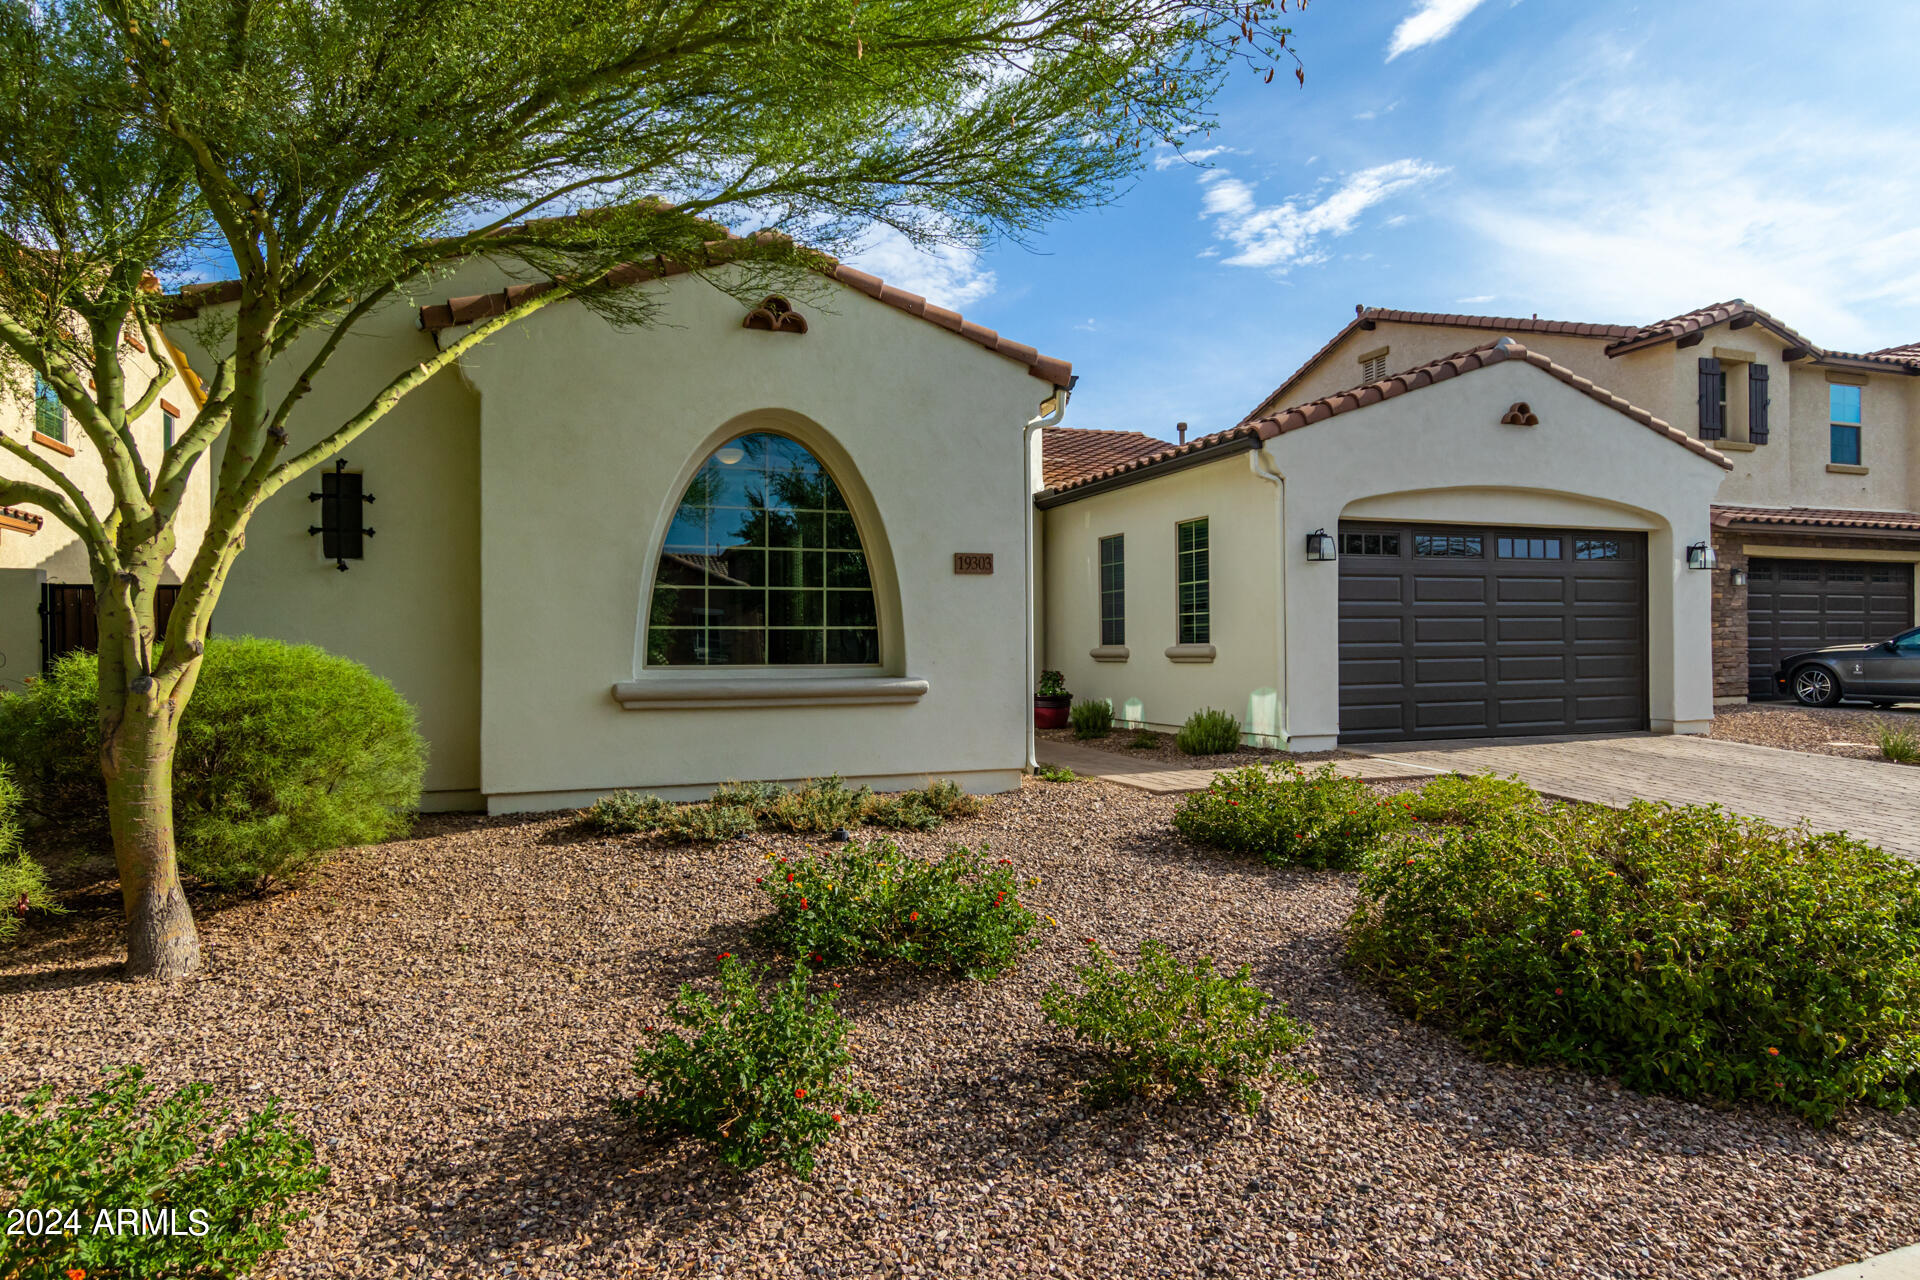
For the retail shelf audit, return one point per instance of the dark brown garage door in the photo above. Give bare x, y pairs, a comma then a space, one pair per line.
1463, 632
1796, 605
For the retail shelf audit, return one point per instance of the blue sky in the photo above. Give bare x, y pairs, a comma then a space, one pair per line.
1606, 162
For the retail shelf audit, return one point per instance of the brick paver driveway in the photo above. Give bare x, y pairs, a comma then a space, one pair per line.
1871, 799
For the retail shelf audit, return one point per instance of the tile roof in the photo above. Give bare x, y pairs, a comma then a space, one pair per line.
1818, 518
467, 310
1905, 351
1365, 317
1069, 452
1448, 367
1704, 318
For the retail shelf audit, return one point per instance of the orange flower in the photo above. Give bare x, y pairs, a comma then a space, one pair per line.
75, 1273
803, 904
836, 1117
913, 915
1773, 1053
726, 955
799, 1093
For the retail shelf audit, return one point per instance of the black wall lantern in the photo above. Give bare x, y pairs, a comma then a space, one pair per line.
1701, 556
340, 530
1320, 545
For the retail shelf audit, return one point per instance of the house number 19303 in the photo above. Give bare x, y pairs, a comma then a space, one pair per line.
973, 562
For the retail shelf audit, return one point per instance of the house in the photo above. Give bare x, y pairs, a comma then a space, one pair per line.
769, 541
1534, 527
46, 585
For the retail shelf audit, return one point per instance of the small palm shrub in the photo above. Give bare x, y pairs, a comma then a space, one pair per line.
285, 753
1173, 1027
1290, 817
1208, 733
1683, 950
1091, 718
216, 1195
23, 884
759, 1072
1901, 746
854, 902
1468, 799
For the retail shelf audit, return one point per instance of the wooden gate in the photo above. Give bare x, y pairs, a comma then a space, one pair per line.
69, 620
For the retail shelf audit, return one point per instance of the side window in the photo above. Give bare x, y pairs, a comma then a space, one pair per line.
1113, 590
49, 415
1843, 415
1194, 580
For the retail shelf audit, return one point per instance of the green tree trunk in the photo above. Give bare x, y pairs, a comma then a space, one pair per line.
137, 760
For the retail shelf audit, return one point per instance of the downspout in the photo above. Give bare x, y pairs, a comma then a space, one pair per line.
1052, 410
1261, 465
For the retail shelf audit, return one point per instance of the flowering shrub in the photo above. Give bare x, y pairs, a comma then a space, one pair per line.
1171, 1026
216, 1194
1208, 733
1291, 817
1091, 718
859, 901
1469, 799
1684, 950
758, 1074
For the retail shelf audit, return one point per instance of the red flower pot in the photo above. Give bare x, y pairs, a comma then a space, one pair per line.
1050, 710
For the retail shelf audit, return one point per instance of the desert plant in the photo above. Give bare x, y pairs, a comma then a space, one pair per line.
1290, 817
221, 1191
1144, 740
23, 883
1902, 746
759, 1072
756, 796
285, 753
629, 813
709, 823
1052, 685
1683, 950
1208, 733
1054, 773
1174, 1027
861, 901
1091, 718
817, 806
1466, 799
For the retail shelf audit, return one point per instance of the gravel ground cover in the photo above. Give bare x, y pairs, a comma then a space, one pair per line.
449, 1016
1827, 731
1164, 750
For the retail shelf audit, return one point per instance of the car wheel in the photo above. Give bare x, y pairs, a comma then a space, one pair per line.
1815, 687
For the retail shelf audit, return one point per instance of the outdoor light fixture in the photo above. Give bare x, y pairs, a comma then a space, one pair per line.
1700, 556
1320, 545
729, 454
1739, 577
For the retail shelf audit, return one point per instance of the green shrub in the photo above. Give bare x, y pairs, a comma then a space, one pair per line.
1052, 684
761, 1076
922, 810
1091, 718
1290, 817
1208, 733
1144, 740
1054, 773
856, 901
1683, 950
1901, 746
23, 884
1171, 1026
816, 807
1469, 799
629, 813
709, 823
180, 1156
756, 797
285, 753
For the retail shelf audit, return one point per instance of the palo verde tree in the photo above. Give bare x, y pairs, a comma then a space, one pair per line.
339, 153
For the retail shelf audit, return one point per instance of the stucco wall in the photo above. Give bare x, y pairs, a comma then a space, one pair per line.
1409, 345
1242, 531
19, 625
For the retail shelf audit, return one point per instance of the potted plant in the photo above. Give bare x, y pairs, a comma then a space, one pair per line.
1051, 701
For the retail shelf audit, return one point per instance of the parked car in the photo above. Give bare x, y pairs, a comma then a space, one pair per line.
1882, 673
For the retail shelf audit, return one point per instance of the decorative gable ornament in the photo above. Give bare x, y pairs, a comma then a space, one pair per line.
776, 315
1521, 415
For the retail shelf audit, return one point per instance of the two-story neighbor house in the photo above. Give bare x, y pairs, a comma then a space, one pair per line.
1519, 553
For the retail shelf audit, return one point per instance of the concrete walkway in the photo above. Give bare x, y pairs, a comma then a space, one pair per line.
1160, 778
1871, 799
1901, 1264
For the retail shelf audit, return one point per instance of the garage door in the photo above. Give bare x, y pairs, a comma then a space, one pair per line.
1464, 632
1795, 605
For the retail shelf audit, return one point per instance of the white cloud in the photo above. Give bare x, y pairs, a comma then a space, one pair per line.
1478, 299
1430, 20
1290, 234
1166, 156
948, 275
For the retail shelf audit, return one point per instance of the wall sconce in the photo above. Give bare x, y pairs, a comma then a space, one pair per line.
1739, 577
1701, 556
1320, 545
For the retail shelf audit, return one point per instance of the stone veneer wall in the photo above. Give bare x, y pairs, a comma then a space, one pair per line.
1730, 602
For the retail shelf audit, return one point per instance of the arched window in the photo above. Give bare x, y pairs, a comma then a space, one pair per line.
762, 566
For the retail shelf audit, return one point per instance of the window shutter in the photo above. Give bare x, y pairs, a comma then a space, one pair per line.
1712, 380
1757, 403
